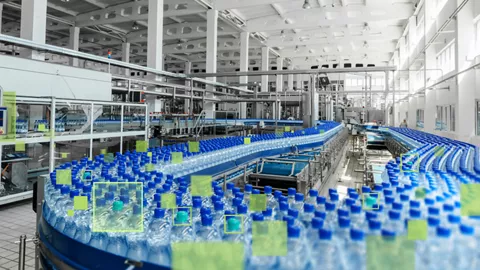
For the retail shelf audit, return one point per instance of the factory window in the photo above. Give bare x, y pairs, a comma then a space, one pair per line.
452, 117
420, 118
446, 58
439, 118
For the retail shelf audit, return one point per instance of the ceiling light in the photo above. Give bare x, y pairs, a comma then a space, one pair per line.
365, 44
311, 51
135, 26
65, 1
282, 34
296, 48
306, 58
366, 27
365, 57
306, 4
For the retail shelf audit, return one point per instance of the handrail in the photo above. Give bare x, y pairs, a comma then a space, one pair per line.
77, 54
201, 116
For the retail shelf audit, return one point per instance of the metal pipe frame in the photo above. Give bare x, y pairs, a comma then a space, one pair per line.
294, 72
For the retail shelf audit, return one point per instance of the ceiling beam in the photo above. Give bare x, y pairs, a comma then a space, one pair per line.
96, 3
235, 4
62, 9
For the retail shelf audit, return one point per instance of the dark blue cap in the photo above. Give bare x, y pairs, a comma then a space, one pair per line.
414, 203
236, 202
125, 199
248, 188
343, 222
293, 213
374, 224
433, 211
334, 197
123, 191
109, 195
159, 213
242, 209
321, 200
355, 208
293, 232
453, 219
342, 213
313, 193
317, 223
267, 212
466, 230
415, 213
235, 190
397, 206
239, 195
100, 202
448, 207
207, 220
292, 191
197, 203
205, 211
433, 221
325, 234
283, 206
429, 201
443, 232
389, 199
255, 191
370, 215
137, 210
395, 215
308, 208
387, 192
299, 197
157, 197
257, 217
366, 189
404, 198
277, 194
329, 206
349, 201
320, 214
267, 189
289, 220
356, 235
388, 233
230, 185
218, 206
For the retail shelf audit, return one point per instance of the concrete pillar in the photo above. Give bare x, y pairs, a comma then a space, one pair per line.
244, 45
126, 56
186, 104
290, 78
212, 29
280, 77
73, 44
155, 34
430, 63
33, 26
299, 81
265, 67
466, 86
1, 12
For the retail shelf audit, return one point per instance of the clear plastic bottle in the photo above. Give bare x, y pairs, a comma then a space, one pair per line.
356, 251
307, 215
325, 252
312, 197
182, 231
297, 251
440, 251
465, 249
298, 204
159, 239
291, 196
282, 211
321, 203
207, 232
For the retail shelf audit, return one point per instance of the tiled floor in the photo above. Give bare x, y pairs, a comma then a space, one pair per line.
16, 219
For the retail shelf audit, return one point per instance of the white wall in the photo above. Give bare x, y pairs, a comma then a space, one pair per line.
40, 79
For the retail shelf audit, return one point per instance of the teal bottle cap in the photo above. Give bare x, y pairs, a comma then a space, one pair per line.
182, 217
371, 201
233, 224
117, 206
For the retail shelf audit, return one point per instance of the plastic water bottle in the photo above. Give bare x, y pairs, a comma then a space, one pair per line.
291, 196
117, 244
465, 249
321, 203
298, 204
440, 251
259, 262
312, 197
394, 222
356, 251
307, 215
374, 227
182, 231
207, 232
313, 230
242, 209
271, 203
356, 216
297, 251
233, 231
248, 193
282, 211
325, 252
159, 239
136, 242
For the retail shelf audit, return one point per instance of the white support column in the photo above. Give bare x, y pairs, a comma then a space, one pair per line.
188, 70
280, 77
33, 26
155, 34
73, 43
290, 78
1, 12
126, 56
244, 45
265, 67
299, 82
212, 30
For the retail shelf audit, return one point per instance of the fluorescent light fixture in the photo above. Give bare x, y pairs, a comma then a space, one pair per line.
306, 5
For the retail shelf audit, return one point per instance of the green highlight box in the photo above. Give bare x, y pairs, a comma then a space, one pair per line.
269, 238
287, 129
322, 131
187, 208
393, 253
279, 132
10, 102
225, 224
19, 146
470, 200
417, 229
64, 177
80, 203
416, 165
177, 157
149, 154
246, 140
201, 185
258, 202
303, 132
70, 213
439, 151
149, 167
133, 223
141, 146
193, 147
420, 193
208, 255
168, 200
367, 204
103, 151
64, 155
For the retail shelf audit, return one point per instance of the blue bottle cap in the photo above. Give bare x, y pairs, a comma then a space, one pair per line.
433, 211
355, 209
448, 207
235, 190
255, 191
277, 194
230, 185
356, 235
207, 220
74, 193
397, 206
331, 191
320, 214
236, 202
342, 213
414, 213
349, 201
123, 191
292, 191
454, 219
414, 204
429, 201
321, 200
239, 195
100, 202
205, 211
366, 189
389, 199
218, 206
267, 212
466, 230
443, 232
137, 210
157, 197
242, 209
313, 193
293, 232
109, 195
308, 208
65, 190
229, 213
317, 223
334, 197
370, 215
299, 197
388, 233
353, 195
343, 222
293, 213
196, 203
125, 199
433, 221
329, 206
257, 217
374, 224
283, 206
267, 190
325, 234
404, 198
289, 220
394, 215
248, 188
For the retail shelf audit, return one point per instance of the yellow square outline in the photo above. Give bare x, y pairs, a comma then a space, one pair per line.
225, 223
416, 164
210, 190
83, 176
193, 147
279, 133
466, 208
190, 209
363, 201
67, 183
247, 140
139, 184
19, 143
